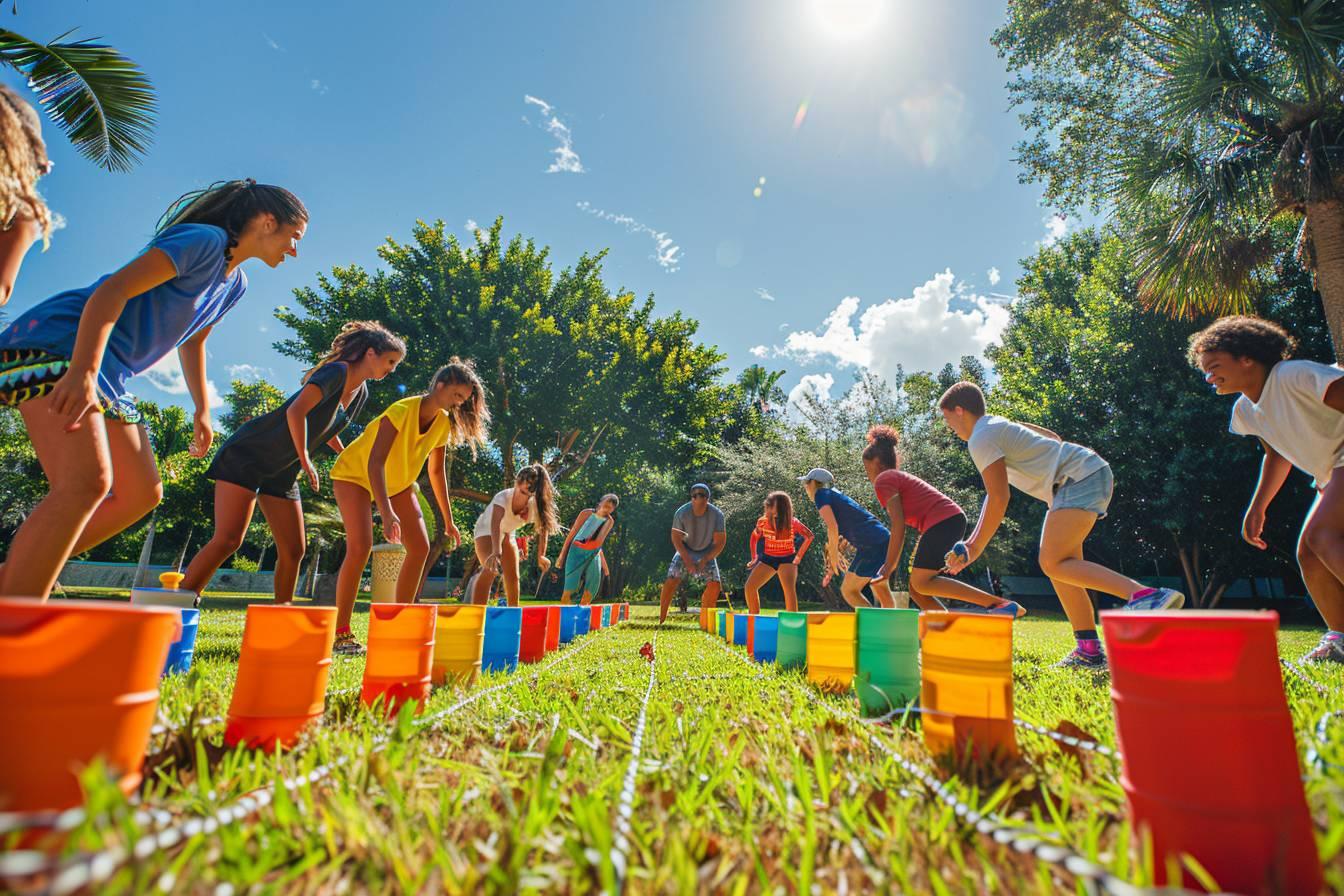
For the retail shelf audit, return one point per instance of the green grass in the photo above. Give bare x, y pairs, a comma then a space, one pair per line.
749, 781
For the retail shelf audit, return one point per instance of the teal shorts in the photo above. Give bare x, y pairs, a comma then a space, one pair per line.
29, 373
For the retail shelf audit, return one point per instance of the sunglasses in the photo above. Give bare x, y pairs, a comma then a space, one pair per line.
697, 495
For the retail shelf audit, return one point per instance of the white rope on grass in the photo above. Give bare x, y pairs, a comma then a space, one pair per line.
1090, 746
100, 866
1021, 838
620, 853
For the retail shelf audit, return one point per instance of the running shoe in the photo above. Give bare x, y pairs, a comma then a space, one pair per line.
1330, 650
1008, 608
1080, 660
346, 645
1156, 599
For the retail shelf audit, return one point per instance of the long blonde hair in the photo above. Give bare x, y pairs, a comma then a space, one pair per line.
536, 475
355, 338
23, 159
471, 419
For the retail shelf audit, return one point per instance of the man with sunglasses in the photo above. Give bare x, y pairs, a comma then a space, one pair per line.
698, 533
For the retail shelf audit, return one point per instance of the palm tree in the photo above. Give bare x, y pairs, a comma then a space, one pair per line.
760, 387
99, 98
1239, 128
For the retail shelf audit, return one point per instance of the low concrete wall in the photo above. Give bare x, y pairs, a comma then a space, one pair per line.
79, 574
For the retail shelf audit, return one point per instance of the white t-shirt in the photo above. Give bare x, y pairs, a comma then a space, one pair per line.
1036, 463
1293, 418
512, 522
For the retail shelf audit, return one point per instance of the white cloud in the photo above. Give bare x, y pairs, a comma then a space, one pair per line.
248, 372
1056, 228
473, 228
816, 385
994, 276
566, 159
760, 351
666, 252
761, 291
167, 376
58, 221
318, 87
270, 42
921, 332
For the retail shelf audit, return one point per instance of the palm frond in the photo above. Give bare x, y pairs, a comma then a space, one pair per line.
101, 100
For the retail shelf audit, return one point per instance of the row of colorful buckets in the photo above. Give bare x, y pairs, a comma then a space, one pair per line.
1210, 762
79, 679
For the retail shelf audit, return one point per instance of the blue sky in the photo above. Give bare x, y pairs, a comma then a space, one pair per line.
888, 209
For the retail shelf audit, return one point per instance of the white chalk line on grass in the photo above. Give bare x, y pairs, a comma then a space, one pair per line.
99, 867
620, 853
1021, 838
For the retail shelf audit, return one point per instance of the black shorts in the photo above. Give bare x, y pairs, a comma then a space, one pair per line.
937, 541
776, 562
231, 466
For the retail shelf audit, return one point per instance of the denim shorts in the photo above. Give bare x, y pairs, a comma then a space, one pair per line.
1092, 493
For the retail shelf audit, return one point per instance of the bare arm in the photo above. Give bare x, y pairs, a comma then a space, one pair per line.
296, 418
832, 539
1274, 470
1334, 395
76, 393
382, 447
995, 477
679, 542
569, 539
896, 512
191, 354
720, 539
334, 443
802, 549
438, 483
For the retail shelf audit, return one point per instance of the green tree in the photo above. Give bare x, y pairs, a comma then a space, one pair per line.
1203, 124
1082, 356
99, 98
247, 400
572, 370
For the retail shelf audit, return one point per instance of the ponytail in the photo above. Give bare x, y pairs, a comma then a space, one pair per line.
882, 442
231, 205
547, 522
356, 338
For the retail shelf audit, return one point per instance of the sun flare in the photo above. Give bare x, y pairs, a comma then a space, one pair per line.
847, 19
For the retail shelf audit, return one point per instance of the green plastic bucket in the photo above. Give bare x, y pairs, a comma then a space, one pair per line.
887, 671
723, 623
791, 646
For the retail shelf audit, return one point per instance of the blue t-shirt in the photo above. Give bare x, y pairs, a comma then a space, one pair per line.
857, 526
153, 323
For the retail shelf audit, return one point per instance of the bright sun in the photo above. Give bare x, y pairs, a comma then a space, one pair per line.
847, 19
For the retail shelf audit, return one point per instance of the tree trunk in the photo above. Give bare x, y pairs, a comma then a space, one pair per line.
186, 543
1325, 223
146, 550
313, 564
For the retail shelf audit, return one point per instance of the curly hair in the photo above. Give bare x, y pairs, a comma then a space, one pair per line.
23, 159
1243, 336
231, 205
882, 442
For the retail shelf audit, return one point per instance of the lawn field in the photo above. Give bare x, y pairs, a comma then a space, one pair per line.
598, 770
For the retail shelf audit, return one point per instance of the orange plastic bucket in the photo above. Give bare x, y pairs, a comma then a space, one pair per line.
967, 687
282, 674
532, 639
706, 613
595, 619
552, 628
832, 640
78, 680
401, 652
459, 638
1210, 682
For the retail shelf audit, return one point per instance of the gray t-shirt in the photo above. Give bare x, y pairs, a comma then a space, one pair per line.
699, 529
1036, 463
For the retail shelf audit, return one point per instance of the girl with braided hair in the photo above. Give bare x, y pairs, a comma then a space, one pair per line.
65, 362
261, 462
23, 159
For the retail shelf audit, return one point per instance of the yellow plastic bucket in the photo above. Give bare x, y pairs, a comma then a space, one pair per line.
831, 639
459, 637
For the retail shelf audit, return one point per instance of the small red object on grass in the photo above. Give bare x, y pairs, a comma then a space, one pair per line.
647, 651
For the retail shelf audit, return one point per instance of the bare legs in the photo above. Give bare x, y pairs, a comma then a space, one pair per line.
508, 561
356, 506
1061, 558
1320, 553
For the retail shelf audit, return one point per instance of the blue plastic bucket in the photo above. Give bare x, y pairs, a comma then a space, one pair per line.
503, 635
181, 650
766, 641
